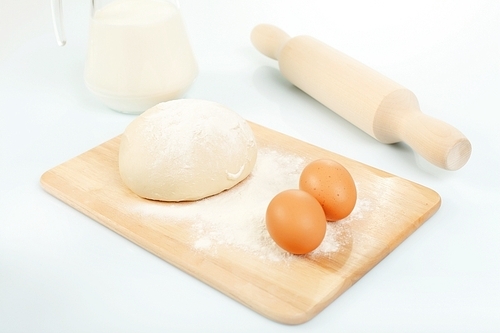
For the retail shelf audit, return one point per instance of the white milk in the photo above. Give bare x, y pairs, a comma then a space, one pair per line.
139, 55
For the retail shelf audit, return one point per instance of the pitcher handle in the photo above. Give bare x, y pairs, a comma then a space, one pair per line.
57, 20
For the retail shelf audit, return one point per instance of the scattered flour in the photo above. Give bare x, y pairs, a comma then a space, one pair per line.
236, 217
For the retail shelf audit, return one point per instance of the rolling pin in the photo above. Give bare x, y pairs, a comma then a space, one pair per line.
380, 107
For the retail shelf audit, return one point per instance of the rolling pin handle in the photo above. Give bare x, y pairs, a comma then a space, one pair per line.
436, 141
269, 40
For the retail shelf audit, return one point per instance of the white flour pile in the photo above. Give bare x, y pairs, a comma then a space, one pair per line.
236, 217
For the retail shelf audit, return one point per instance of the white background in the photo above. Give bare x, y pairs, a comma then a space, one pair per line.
62, 272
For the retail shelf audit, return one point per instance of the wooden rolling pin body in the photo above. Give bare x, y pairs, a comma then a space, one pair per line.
379, 106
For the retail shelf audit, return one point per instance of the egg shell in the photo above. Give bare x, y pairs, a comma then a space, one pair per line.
296, 221
332, 185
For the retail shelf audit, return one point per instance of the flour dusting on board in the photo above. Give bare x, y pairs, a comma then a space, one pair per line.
236, 217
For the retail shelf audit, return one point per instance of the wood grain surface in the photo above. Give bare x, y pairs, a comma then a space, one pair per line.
288, 291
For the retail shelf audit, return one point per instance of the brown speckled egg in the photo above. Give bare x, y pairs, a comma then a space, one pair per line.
332, 185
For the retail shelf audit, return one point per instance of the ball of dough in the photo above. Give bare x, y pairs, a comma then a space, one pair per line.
185, 150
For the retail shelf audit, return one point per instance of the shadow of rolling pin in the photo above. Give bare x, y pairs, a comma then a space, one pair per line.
377, 105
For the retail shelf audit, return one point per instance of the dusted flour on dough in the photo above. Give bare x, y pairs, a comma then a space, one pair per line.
185, 150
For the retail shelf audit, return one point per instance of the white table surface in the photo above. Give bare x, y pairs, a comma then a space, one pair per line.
60, 271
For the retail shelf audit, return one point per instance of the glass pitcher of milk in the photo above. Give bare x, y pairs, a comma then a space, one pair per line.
138, 53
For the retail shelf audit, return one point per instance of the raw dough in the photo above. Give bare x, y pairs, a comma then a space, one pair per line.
185, 150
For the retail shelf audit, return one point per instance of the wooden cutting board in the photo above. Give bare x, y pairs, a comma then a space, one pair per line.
288, 289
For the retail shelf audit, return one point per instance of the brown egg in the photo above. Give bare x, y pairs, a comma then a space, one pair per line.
296, 221
332, 185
